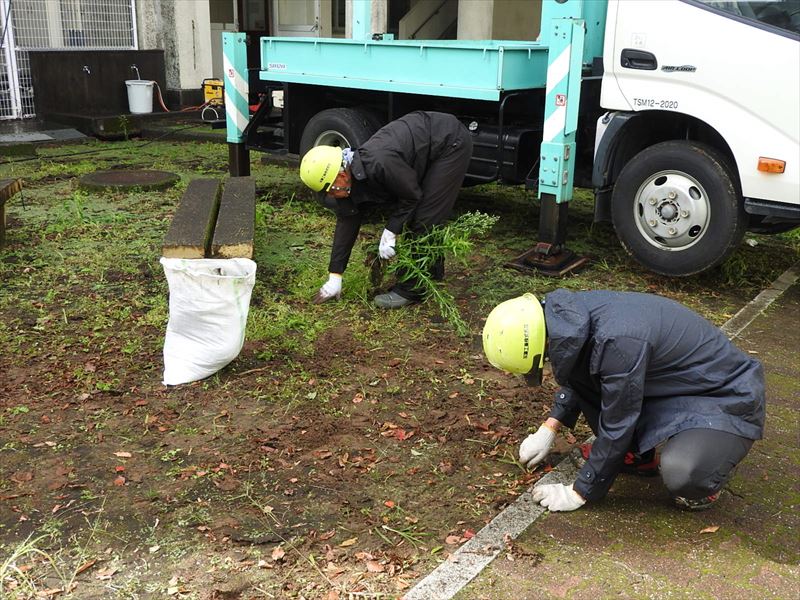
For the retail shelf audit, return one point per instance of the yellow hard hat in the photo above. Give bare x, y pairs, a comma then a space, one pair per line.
320, 166
514, 336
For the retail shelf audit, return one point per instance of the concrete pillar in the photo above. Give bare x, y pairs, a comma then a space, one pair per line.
475, 19
380, 16
183, 30
379, 11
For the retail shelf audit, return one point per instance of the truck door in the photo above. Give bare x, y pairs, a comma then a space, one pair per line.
734, 65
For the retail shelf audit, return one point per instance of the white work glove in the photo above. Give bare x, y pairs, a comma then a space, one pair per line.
558, 497
536, 446
386, 247
330, 289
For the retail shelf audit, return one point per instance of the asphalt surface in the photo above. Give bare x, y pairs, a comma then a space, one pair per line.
636, 544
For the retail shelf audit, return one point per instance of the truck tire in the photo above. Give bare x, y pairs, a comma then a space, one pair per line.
344, 127
677, 209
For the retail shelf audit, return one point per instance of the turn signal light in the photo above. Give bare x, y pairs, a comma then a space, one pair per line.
771, 165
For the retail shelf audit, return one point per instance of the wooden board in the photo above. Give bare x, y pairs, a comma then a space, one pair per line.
233, 236
192, 227
8, 187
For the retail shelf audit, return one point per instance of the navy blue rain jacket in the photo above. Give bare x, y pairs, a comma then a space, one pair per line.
651, 368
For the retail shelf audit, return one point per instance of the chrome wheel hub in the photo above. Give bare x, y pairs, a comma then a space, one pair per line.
672, 210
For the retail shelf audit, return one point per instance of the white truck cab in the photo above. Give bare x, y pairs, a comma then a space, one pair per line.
702, 135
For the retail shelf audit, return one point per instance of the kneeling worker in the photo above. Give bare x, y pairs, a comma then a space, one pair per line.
415, 164
644, 371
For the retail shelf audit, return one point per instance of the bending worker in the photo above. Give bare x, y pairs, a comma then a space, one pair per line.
415, 165
644, 371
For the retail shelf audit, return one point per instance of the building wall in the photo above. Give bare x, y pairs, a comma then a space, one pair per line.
515, 20
183, 30
475, 19
499, 19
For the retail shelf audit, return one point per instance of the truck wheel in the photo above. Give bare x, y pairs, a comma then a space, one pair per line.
677, 208
344, 127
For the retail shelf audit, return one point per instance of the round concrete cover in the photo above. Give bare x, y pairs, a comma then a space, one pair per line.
128, 179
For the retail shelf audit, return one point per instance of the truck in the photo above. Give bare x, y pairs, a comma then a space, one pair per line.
682, 116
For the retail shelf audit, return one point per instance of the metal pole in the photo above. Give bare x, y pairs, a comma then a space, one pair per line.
134, 27
557, 154
237, 109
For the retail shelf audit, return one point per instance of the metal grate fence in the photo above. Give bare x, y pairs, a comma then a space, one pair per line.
55, 24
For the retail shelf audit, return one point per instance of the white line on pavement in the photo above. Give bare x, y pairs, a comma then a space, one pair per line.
738, 322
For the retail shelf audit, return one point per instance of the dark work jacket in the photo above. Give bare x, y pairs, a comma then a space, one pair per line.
652, 368
389, 169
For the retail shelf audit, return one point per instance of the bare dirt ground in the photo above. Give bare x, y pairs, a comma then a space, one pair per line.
344, 453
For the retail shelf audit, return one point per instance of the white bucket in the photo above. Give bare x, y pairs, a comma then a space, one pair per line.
140, 96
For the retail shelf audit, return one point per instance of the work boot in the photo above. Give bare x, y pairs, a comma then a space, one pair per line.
644, 465
699, 504
391, 299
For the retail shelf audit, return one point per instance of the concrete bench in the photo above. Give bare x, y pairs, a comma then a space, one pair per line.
8, 188
213, 221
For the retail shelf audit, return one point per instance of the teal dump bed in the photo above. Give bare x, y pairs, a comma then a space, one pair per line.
479, 70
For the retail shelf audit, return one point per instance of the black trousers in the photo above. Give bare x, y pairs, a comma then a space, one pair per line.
695, 463
440, 188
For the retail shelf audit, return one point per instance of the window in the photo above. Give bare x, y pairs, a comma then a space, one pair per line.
783, 14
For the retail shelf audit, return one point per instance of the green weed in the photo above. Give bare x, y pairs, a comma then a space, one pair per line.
417, 255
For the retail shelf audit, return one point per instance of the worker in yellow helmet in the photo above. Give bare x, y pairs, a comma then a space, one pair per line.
646, 373
414, 166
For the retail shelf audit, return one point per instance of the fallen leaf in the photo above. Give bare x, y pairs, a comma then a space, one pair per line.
327, 535
119, 469
373, 566
123, 454
349, 542
389, 504
21, 477
710, 529
85, 566
453, 539
120, 480
226, 483
278, 553
469, 534
106, 574
332, 569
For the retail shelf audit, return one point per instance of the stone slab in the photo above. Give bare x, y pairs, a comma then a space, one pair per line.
233, 236
192, 227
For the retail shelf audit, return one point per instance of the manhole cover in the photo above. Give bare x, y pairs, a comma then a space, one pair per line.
123, 179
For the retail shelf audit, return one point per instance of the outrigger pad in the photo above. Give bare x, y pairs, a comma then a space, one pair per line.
556, 264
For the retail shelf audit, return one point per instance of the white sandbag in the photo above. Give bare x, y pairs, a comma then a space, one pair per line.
208, 304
